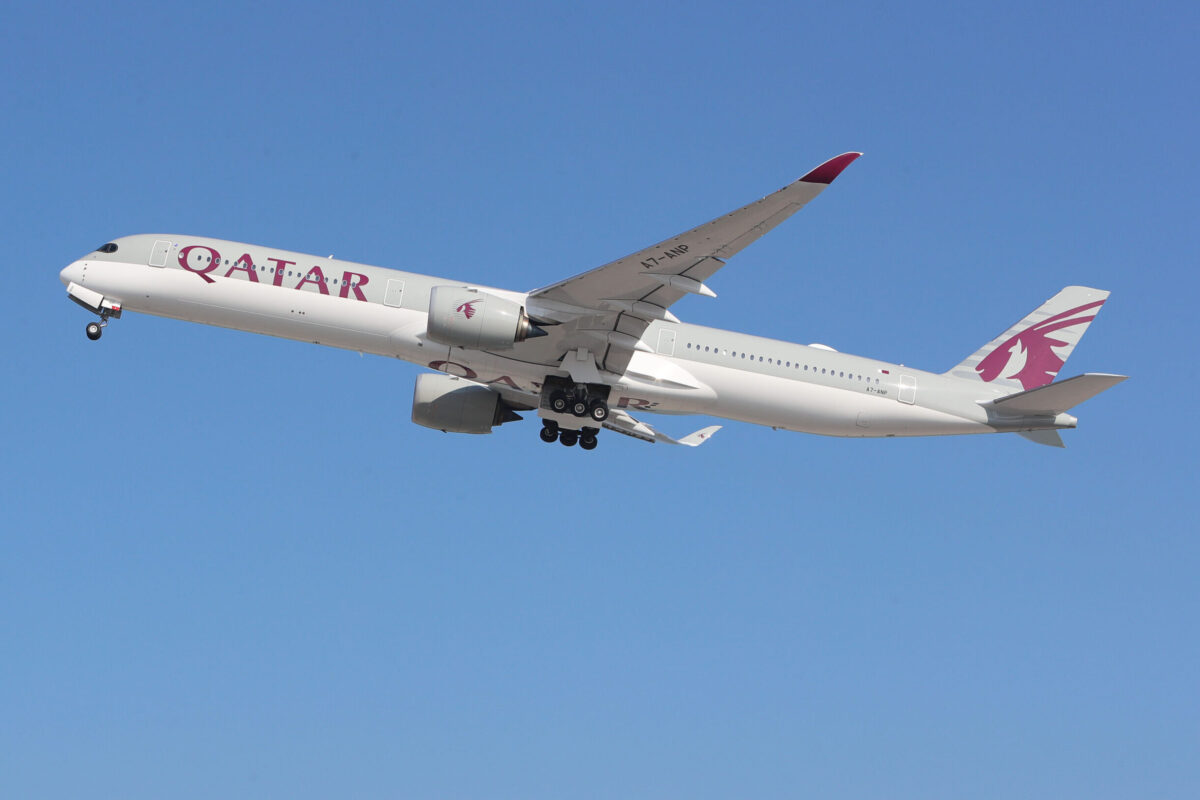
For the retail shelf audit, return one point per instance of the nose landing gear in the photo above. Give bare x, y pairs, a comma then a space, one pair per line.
98, 304
95, 329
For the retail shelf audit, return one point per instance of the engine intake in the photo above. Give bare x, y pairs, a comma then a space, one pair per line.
462, 317
454, 405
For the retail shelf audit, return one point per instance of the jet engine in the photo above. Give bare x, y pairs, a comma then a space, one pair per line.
455, 405
462, 317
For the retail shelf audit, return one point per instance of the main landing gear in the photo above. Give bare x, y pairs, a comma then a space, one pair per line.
580, 402
585, 438
572, 413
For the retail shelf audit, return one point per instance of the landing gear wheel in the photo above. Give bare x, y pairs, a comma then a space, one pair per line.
548, 434
579, 408
588, 441
598, 410
568, 438
559, 402
94, 330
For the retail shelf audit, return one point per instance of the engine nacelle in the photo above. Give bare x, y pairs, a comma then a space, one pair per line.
454, 405
462, 317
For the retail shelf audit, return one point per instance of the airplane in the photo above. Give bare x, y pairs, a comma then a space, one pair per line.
590, 352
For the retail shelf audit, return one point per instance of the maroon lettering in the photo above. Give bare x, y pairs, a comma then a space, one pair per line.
454, 368
349, 283
201, 264
318, 281
244, 264
507, 381
635, 402
277, 280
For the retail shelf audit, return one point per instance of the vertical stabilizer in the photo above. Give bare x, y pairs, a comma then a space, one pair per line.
1030, 353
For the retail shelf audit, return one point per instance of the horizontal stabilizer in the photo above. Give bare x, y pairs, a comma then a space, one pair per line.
1055, 398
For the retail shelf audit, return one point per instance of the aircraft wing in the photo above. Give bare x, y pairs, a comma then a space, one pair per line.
607, 309
621, 422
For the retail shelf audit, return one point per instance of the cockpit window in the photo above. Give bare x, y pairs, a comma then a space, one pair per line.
107, 248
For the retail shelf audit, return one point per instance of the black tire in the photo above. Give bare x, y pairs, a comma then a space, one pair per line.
568, 438
548, 435
588, 441
94, 330
579, 408
598, 410
559, 402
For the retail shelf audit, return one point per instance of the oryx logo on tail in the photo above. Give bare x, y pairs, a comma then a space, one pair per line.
1030, 356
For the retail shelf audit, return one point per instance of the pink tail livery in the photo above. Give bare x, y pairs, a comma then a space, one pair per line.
1031, 353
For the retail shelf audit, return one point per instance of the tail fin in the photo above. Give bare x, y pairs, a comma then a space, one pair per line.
1030, 353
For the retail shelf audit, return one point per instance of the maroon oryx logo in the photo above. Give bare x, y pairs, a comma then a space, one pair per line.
467, 309
1029, 356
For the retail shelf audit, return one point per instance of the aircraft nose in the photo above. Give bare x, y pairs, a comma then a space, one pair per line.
72, 273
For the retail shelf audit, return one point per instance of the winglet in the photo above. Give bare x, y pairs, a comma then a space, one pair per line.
830, 169
699, 437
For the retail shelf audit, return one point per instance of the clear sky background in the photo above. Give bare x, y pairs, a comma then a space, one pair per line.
231, 567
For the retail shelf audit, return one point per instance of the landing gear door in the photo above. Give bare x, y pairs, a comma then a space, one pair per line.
159, 253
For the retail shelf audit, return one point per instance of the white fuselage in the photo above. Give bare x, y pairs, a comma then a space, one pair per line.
689, 369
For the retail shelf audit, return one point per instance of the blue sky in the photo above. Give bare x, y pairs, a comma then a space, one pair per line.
231, 566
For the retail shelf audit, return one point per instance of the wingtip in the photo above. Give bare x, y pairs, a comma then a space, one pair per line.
830, 169
699, 437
